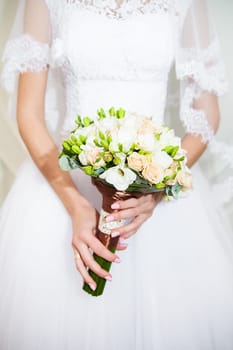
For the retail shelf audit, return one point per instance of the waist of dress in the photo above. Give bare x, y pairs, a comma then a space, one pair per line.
141, 97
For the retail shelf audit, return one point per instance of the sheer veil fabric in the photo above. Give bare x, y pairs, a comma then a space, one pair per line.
174, 287
35, 44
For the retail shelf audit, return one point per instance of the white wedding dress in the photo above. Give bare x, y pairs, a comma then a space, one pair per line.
174, 287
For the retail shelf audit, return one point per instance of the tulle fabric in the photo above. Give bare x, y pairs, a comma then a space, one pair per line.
171, 291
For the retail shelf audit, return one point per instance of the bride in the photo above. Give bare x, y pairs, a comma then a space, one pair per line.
171, 283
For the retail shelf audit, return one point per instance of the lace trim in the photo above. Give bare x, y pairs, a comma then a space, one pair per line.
21, 55
194, 121
205, 67
200, 71
116, 10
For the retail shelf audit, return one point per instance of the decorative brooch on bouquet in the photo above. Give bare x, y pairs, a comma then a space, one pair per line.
127, 155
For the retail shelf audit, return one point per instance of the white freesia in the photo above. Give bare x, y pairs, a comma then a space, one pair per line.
168, 138
146, 142
119, 177
123, 137
163, 159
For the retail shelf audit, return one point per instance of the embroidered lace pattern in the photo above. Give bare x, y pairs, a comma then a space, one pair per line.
200, 71
122, 9
21, 55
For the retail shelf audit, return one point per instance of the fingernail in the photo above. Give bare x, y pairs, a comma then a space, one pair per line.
92, 286
121, 240
115, 234
109, 278
109, 218
117, 260
115, 206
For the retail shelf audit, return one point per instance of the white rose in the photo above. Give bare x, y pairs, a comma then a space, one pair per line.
146, 142
168, 138
123, 137
119, 177
163, 159
83, 158
184, 178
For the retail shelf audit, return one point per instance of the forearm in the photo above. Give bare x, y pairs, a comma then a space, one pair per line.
44, 152
194, 147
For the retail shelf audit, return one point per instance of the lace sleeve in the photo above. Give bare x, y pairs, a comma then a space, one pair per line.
199, 68
30, 49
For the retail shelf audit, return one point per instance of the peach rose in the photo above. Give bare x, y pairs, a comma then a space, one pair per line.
147, 127
170, 173
137, 161
184, 178
153, 173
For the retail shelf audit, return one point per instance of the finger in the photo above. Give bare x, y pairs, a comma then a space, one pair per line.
83, 272
92, 264
131, 228
102, 251
142, 207
122, 245
128, 203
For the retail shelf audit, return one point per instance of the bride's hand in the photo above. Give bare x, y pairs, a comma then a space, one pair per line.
137, 209
84, 225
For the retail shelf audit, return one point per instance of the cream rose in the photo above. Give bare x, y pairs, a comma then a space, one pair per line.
153, 173
184, 178
137, 161
170, 173
148, 127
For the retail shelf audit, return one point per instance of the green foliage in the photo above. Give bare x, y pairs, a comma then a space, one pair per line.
171, 150
120, 113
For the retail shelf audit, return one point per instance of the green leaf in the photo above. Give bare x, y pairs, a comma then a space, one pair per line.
99, 171
67, 163
96, 142
160, 185
86, 121
101, 113
76, 149
112, 112
64, 163
101, 135
66, 145
83, 139
120, 146
171, 150
88, 169
120, 113
78, 121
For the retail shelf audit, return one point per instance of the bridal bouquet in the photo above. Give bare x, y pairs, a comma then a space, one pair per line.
126, 155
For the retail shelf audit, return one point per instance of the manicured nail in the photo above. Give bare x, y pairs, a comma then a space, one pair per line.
117, 260
110, 218
109, 278
115, 234
92, 286
115, 206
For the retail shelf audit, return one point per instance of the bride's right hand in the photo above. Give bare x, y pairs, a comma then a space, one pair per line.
84, 226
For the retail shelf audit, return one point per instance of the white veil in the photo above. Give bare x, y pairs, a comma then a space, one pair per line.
198, 67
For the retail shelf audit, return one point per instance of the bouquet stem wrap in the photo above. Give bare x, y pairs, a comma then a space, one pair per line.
109, 195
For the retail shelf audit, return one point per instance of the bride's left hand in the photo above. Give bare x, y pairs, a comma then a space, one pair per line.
137, 209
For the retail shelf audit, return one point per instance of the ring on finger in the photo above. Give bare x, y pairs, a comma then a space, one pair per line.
77, 256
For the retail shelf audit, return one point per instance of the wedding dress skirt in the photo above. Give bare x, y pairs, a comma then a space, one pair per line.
173, 289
